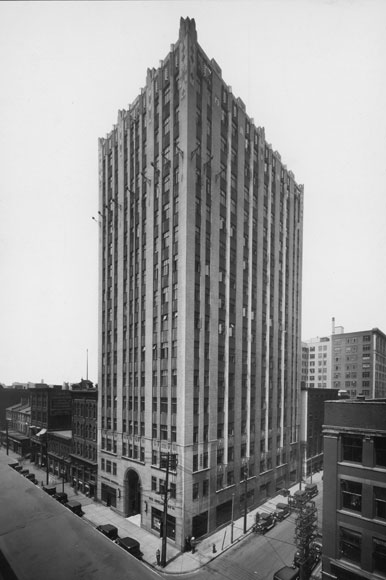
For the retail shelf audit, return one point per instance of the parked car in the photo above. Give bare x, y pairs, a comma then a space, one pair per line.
130, 545
264, 523
283, 510
18, 468
75, 507
24, 472
32, 477
312, 490
50, 489
109, 531
299, 498
311, 561
287, 573
61, 497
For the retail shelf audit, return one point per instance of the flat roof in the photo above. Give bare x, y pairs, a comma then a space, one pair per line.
40, 538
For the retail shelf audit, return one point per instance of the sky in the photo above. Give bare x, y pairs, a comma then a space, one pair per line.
311, 72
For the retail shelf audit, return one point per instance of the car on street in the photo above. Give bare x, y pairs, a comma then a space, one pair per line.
312, 490
61, 497
109, 531
75, 507
130, 545
283, 510
50, 489
264, 523
287, 573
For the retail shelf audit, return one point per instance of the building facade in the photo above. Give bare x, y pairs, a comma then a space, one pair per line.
311, 430
50, 411
354, 500
19, 422
200, 303
318, 374
359, 363
84, 463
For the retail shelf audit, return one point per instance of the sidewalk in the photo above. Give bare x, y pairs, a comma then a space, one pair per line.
177, 562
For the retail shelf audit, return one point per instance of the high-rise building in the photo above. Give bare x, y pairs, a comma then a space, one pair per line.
354, 501
201, 230
318, 361
359, 363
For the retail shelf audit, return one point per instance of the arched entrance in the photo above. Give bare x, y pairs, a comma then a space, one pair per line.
133, 493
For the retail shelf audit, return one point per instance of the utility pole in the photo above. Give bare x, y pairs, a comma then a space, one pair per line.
165, 520
245, 497
6, 431
169, 461
47, 466
305, 530
233, 502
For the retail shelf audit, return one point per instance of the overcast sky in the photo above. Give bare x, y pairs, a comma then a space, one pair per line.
312, 72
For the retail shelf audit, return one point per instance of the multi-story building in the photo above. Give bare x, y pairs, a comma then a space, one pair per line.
200, 302
311, 430
359, 363
19, 421
8, 396
50, 411
319, 362
84, 463
354, 500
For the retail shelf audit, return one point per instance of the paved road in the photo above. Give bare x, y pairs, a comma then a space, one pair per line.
257, 557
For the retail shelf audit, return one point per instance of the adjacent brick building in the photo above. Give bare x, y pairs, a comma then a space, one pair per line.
354, 500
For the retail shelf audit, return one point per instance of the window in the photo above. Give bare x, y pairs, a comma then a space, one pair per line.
380, 451
195, 491
351, 448
153, 484
205, 487
379, 555
379, 494
350, 545
351, 495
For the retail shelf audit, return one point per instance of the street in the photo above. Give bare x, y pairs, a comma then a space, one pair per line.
258, 557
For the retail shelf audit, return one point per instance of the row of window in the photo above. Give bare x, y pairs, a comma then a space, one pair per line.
108, 466
352, 449
351, 498
350, 548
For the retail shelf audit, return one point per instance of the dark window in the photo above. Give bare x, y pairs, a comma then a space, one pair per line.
350, 545
379, 555
351, 448
351, 493
379, 502
380, 451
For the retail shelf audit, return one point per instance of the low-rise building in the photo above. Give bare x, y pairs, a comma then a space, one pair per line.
84, 462
354, 496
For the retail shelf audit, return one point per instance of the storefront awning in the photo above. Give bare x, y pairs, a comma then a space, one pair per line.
41, 432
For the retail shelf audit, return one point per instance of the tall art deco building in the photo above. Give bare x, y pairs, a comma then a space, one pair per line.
200, 303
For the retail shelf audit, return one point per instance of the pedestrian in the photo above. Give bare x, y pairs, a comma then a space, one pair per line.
193, 544
158, 557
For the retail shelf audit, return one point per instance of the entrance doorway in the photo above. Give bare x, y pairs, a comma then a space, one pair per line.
133, 493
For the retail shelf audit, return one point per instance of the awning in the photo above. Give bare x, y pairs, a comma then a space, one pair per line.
42, 432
